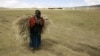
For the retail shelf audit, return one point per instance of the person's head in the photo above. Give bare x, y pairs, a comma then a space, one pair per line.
38, 13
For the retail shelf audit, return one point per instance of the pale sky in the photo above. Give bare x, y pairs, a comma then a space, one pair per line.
46, 3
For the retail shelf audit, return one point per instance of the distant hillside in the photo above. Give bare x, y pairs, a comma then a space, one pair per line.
92, 7
95, 6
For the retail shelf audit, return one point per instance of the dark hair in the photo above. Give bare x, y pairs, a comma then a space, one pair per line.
37, 12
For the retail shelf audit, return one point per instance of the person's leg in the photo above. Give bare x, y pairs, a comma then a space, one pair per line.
32, 40
35, 41
38, 41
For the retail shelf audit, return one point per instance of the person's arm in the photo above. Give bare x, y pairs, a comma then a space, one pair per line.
42, 25
42, 22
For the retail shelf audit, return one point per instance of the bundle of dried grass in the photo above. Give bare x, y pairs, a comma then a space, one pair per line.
21, 29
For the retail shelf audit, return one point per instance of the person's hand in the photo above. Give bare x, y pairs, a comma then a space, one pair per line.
40, 21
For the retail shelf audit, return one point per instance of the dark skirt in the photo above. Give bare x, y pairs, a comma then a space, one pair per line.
35, 40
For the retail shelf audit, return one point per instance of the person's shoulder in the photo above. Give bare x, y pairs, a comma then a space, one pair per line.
32, 16
42, 18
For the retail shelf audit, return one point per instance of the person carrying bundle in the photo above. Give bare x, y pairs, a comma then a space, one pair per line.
36, 23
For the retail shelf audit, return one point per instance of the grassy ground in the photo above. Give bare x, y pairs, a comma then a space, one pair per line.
70, 33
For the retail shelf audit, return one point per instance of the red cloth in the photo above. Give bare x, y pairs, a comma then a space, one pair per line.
32, 21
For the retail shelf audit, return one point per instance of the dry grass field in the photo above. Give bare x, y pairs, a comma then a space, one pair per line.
70, 33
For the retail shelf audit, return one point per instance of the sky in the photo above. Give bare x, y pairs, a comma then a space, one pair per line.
46, 3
